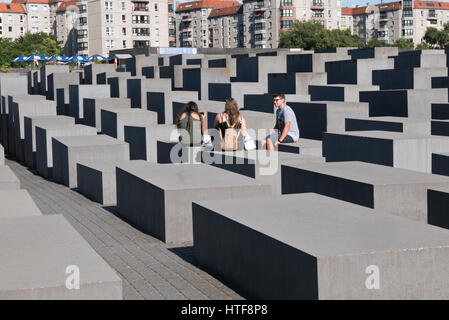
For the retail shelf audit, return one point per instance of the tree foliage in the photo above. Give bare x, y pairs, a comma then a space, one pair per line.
31, 43
313, 36
437, 38
403, 44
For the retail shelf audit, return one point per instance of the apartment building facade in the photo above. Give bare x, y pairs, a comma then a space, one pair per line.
389, 22
226, 27
192, 26
12, 20
37, 15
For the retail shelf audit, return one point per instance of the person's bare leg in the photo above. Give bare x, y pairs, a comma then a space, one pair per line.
269, 144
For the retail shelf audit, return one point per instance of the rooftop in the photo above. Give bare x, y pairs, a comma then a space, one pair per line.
195, 5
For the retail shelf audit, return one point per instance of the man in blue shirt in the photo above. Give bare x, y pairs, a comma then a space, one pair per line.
286, 124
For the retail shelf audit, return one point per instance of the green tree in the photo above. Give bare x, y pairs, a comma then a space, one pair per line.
423, 46
403, 44
313, 36
373, 43
436, 38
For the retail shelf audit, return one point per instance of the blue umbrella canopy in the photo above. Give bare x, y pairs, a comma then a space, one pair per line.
45, 58
20, 58
32, 57
99, 57
77, 57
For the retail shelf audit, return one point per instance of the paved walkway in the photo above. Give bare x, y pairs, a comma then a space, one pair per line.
149, 269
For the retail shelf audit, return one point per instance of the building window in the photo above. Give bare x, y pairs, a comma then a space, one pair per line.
124, 31
123, 18
82, 21
407, 32
22, 32
34, 30
10, 29
170, 8
21, 19
171, 20
156, 20
286, 3
82, 34
82, 8
10, 18
123, 6
109, 31
110, 44
286, 13
82, 46
286, 23
34, 7
407, 23
260, 37
108, 5
141, 32
109, 18
34, 19
155, 7
124, 43
45, 19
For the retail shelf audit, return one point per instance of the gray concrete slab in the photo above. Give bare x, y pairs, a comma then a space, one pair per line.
61, 80
45, 72
303, 147
301, 241
2, 156
143, 140
157, 199
91, 71
17, 203
52, 244
392, 190
44, 150
97, 180
92, 109
77, 93
8, 180
262, 165
395, 124
68, 151
399, 150
113, 120
30, 134
29, 108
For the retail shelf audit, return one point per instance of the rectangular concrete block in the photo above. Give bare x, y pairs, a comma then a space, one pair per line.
395, 124
157, 199
61, 80
303, 147
143, 141
97, 180
262, 165
313, 247
2, 156
92, 109
77, 93
45, 72
314, 118
29, 108
437, 204
8, 180
54, 247
91, 71
399, 150
30, 134
392, 190
68, 151
113, 120
44, 135
17, 203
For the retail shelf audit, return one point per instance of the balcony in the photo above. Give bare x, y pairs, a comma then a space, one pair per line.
259, 7
140, 8
186, 18
383, 17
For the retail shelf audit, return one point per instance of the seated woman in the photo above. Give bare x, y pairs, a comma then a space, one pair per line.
231, 118
192, 124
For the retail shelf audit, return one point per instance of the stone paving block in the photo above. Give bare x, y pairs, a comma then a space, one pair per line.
28, 108
68, 151
53, 245
30, 135
395, 124
143, 140
17, 203
44, 150
92, 109
113, 120
399, 150
314, 118
392, 190
169, 190
296, 244
77, 93
96, 180
262, 165
8, 180
415, 104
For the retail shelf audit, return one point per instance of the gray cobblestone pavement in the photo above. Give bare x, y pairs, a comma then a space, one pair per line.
149, 269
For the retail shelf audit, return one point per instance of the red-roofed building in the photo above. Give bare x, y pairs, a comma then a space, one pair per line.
192, 23
12, 20
38, 15
394, 20
226, 27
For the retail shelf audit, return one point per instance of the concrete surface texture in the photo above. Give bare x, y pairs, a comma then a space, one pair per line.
320, 248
